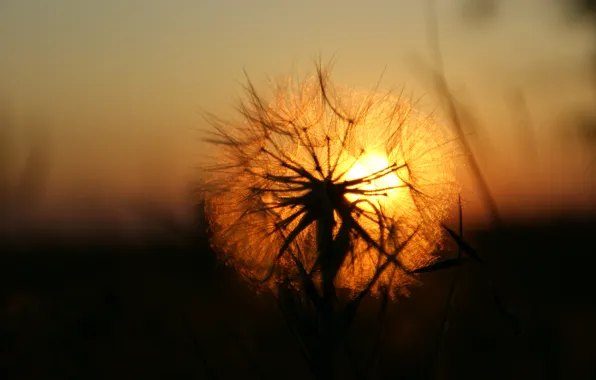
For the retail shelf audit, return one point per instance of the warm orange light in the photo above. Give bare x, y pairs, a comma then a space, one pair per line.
386, 190
396, 165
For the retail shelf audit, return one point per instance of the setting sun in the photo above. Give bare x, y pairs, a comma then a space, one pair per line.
386, 188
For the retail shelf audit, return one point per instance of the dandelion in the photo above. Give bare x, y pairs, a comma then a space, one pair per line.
324, 188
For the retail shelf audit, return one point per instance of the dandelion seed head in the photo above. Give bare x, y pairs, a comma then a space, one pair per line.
368, 167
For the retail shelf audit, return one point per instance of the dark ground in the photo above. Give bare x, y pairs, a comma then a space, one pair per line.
161, 309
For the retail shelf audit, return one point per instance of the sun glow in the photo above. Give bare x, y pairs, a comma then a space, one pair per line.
384, 189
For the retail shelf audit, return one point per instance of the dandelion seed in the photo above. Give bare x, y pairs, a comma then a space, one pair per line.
346, 188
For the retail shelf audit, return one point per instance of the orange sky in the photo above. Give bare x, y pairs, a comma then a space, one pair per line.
119, 84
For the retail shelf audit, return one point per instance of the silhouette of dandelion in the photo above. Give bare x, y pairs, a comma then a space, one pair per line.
324, 188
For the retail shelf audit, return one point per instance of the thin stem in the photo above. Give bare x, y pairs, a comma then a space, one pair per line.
443, 88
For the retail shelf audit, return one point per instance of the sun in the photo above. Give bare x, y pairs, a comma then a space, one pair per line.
386, 189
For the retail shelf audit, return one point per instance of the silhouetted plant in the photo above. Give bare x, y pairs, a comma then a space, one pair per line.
322, 189
455, 115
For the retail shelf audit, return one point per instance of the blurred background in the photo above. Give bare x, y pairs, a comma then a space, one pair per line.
112, 91
105, 257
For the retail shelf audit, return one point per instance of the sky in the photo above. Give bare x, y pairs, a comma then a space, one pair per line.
120, 84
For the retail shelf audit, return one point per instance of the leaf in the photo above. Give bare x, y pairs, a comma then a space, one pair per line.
471, 252
440, 265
